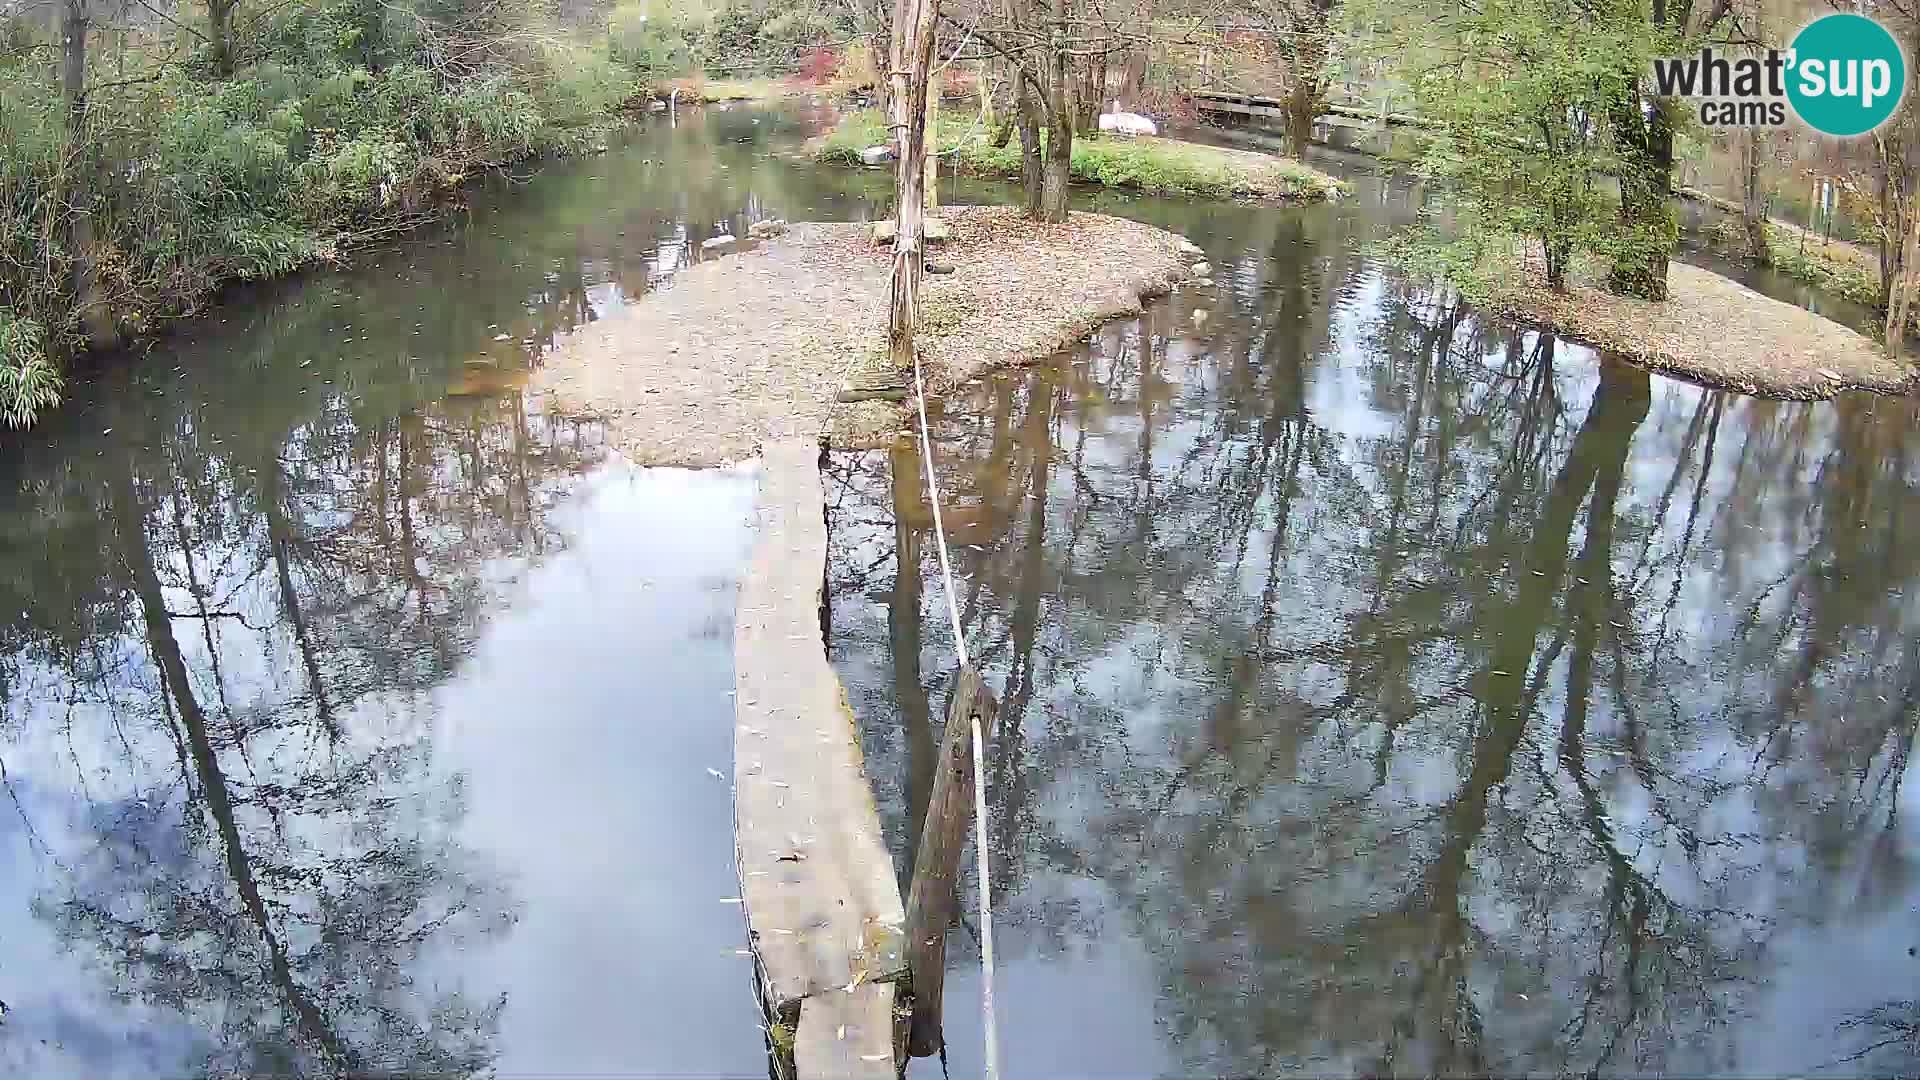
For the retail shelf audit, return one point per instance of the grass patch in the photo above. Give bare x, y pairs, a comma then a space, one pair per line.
1151, 165
1844, 269
717, 90
1835, 268
856, 131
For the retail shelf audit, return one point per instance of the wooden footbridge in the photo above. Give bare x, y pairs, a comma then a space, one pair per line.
1333, 114
831, 940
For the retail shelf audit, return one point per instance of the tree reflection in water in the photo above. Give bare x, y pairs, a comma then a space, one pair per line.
256, 849
1415, 694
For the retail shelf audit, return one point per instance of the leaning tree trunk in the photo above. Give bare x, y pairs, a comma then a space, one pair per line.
913, 49
1558, 250
997, 118
96, 317
1753, 204
1904, 276
1887, 243
1897, 184
1646, 190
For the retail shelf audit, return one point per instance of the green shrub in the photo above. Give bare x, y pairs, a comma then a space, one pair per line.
581, 88
792, 31
652, 49
29, 381
1824, 270
1160, 166
342, 121
732, 32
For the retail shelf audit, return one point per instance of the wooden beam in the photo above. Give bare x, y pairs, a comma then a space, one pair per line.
822, 902
846, 1035
932, 896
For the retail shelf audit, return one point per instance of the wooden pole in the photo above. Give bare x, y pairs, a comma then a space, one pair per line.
913, 39
932, 896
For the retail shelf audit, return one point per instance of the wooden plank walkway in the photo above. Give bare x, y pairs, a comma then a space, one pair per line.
847, 1036
1333, 114
823, 906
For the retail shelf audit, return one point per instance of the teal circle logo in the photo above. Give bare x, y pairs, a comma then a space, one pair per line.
1846, 74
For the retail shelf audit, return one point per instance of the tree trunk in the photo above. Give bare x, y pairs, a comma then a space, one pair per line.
1031, 171
883, 86
1894, 185
1091, 97
913, 47
983, 87
1646, 190
1901, 282
1753, 206
1001, 133
1303, 97
96, 318
895, 78
1057, 169
1559, 252
1133, 80
220, 35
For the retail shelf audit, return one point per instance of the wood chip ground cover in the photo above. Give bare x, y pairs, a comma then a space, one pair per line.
1713, 330
751, 346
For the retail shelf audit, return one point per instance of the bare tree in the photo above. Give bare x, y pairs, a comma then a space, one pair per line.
909, 67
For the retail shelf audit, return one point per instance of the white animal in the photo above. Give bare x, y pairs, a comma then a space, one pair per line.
1126, 123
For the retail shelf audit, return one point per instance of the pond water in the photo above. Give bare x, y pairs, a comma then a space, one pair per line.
1386, 689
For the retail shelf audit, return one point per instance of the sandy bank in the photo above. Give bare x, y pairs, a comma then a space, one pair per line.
1713, 330
753, 346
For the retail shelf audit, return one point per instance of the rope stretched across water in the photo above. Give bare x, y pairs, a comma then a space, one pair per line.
992, 1070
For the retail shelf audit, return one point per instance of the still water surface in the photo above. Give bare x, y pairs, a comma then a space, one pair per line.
1387, 689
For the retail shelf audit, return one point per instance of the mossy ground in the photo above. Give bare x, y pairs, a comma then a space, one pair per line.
1153, 165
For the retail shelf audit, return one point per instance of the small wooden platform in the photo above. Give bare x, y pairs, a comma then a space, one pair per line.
823, 905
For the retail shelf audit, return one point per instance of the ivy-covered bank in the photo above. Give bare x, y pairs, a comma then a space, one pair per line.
185, 158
